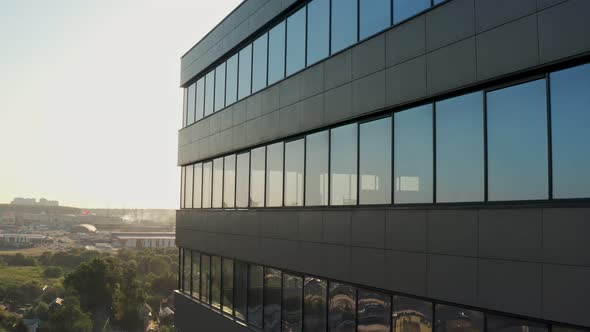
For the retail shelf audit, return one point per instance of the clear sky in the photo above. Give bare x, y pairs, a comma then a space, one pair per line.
89, 100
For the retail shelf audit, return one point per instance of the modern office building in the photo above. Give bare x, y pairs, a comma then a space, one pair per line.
387, 165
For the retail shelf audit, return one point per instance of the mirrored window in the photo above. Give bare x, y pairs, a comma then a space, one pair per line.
207, 184
182, 185
255, 286
343, 165
374, 311
403, 9
292, 304
315, 292
209, 92
231, 81
191, 104
459, 149
342, 308
455, 319
200, 107
344, 24
413, 159
375, 162
410, 315
257, 175
318, 30
186, 287
274, 174
197, 191
205, 277
259, 68
316, 168
505, 324
241, 290
294, 168
276, 53
196, 274
220, 87
243, 180
570, 120
296, 42
245, 72
184, 107
216, 282
228, 286
375, 16
188, 192
229, 181
517, 143
217, 183
272, 300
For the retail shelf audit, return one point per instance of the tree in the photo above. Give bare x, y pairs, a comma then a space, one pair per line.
53, 291
129, 302
53, 272
42, 311
69, 318
94, 282
45, 258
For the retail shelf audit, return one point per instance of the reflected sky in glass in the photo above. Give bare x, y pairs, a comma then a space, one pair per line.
257, 175
343, 165
296, 42
276, 53
259, 68
403, 9
188, 193
245, 72
231, 93
242, 180
344, 27
318, 30
217, 183
570, 121
209, 92
375, 162
191, 104
274, 175
197, 191
413, 159
517, 143
220, 87
294, 168
200, 98
229, 181
316, 169
375, 16
459, 149
207, 179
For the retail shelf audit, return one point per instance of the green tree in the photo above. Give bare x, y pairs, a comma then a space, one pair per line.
52, 292
94, 282
42, 311
53, 272
129, 302
69, 318
45, 258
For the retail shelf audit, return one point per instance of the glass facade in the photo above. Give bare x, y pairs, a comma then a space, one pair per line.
316, 168
274, 175
220, 87
272, 300
344, 27
343, 165
255, 296
217, 183
259, 63
207, 184
411, 314
374, 310
318, 31
296, 42
188, 187
196, 278
455, 319
231, 80
404, 9
276, 53
294, 170
245, 72
227, 274
190, 116
374, 16
197, 190
517, 143
209, 93
241, 290
315, 293
413, 159
205, 278
200, 107
375, 162
257, 176
229, 181
292, 303
216, 281
242, 180
342, 308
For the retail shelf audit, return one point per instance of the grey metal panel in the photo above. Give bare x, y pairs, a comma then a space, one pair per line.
312, 81
368, 266
289, 91
337, 226
452, 66
239, 135
284, 253
253, 106
406, 272
270, 126
453, 232
239, 110
443, 26
508, 48
332, 261
452, 278
189, 312
311, 112
270, 99
368, 228
542, 4
338, 103
406, 81
338, 70
311, 226
510, 286
492, 13
269, 227
563, 30
368, 57
368, 93
289, 119
406, 230
566, 294
253, 131
565, 236
227, 118
412, 35
514, 234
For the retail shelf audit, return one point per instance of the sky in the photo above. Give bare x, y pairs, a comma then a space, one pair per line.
90, 104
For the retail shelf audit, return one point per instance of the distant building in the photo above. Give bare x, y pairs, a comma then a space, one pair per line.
33, 201
83, 228
19, 240
140, 240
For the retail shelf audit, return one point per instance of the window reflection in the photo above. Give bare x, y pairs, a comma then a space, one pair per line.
570, 121
216, 282
517, 143
272, 300
315, 306
220, 87
413, 160
209, 92
228, 286
455, 319
182, 186
207, 185
292, 303
229, 181
294, 168
205, 278
403, 9
259, 68
343, 165
375, 162
191, 104
459, 149
318, 30
188, 191
504, 324
274, 175
241, 290
196, 258
243, 180
374, 311
217, 183
375, 16
411, 315
255, 286
231, 89
316, 169
342, 302
184, 106
257, 174
198, 181
296, 42
200, 107
186, 287
245, 72
344, 27
276, 53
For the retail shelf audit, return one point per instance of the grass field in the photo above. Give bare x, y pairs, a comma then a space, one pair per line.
13, 276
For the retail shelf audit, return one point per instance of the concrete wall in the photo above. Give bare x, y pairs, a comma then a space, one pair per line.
458, 44
245, 20
193, 317
530, 261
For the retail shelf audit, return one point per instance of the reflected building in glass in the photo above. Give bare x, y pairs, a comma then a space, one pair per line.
386, 166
